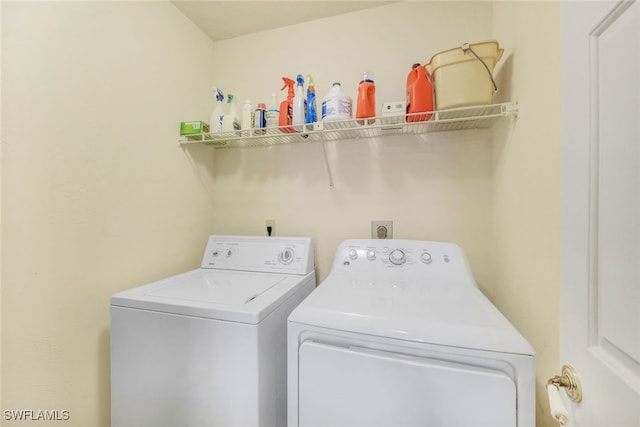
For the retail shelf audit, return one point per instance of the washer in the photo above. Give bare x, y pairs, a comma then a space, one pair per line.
399, 334
208, 347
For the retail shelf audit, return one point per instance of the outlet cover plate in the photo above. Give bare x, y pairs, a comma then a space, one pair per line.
378, 228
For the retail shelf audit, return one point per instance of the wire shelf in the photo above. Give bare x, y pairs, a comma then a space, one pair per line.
477, 117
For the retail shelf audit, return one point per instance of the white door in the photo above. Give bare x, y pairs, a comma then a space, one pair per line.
600, 291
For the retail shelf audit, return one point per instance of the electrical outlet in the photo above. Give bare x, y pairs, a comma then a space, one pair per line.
381, 229
270, 227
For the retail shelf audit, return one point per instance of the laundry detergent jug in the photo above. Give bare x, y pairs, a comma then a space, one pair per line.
419, 95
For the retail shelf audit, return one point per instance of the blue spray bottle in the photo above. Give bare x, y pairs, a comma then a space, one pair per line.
215, 121
312, 116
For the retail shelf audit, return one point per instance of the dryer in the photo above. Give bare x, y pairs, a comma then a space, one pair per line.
399, 335
208, 347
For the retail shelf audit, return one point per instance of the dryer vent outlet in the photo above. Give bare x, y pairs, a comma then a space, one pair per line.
381, 229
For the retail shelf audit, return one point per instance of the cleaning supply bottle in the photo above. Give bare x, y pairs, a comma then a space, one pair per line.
230, 122
286, 107
273, 112
215, 121
247, 118
299, 104
337, 105
366, 105
260, 119
312, 115
419, 95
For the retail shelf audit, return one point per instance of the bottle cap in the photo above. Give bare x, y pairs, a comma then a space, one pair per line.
262, 105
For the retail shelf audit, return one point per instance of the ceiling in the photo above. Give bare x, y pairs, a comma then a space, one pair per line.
221, 20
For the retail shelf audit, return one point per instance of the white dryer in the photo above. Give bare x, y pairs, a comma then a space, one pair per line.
399, 335
208, 347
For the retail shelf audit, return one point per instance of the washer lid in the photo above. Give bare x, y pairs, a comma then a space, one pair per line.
216, 294
440, 313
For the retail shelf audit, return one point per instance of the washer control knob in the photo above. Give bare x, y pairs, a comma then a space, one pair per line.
286, 256
426, 257
397, 257
371, 255
353, 254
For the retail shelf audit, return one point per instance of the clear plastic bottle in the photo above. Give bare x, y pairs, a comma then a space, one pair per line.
337, 105
272, 112
247, 118
299, 106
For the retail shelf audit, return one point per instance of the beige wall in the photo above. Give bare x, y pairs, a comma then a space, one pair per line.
96, 195
494, 193
103, 199
526, 185
433, 187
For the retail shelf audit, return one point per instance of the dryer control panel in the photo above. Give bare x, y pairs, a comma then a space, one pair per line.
407, 257
292, 255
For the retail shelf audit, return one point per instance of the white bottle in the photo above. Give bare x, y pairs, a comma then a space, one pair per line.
299, 106
247, 118
215, 121
230, 121
273, 113
337, 105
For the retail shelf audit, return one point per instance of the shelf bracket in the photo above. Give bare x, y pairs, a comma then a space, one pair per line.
326, 161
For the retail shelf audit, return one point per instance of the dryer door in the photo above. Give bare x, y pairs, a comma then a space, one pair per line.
358, 387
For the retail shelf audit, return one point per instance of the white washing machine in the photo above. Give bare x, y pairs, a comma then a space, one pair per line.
208, 347
399, 335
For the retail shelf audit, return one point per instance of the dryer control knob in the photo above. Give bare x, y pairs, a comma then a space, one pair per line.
353, 254
286, 256
426, 257
397, 257
371, 255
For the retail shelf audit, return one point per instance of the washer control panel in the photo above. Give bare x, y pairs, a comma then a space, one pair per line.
381, 256
292, 255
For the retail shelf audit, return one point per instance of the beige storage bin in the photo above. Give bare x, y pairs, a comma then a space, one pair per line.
460, 79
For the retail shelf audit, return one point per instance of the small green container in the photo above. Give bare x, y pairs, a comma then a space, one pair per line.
190, 128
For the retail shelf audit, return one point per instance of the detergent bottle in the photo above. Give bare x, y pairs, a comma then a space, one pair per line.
419, 95
366, 106
215, 121
337, 105
286, 107
299, 106
230, 122
312, 115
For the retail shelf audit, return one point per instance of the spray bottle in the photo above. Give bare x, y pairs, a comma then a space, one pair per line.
312, 115
286, 107
230, 121
215, 121
299, 104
